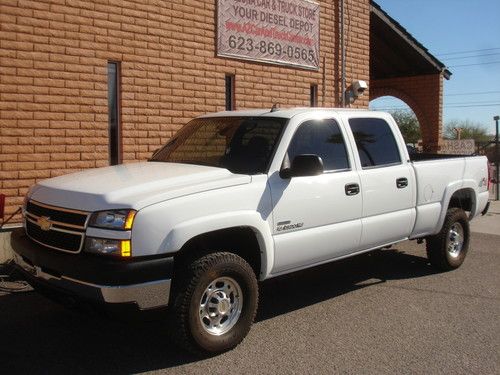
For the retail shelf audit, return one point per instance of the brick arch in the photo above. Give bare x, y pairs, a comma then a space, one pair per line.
423, 94
389, 91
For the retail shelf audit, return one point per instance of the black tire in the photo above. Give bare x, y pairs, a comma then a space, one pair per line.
191, 289
443, 249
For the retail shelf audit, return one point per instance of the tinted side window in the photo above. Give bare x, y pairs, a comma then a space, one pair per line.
375, 141
323, 138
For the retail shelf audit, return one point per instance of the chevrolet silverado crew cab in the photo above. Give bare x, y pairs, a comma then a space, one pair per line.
239, 197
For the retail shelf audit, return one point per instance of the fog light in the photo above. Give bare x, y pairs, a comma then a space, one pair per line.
106, 246
125, 248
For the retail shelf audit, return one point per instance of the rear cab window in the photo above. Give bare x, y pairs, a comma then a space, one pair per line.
375, 141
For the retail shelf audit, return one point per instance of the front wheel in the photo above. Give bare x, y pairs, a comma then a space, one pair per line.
215, 303
447, 249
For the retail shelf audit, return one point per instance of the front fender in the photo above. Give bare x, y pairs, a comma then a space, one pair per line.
183, 232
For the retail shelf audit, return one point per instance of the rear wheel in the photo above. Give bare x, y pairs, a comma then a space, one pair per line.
447, 249
215, 303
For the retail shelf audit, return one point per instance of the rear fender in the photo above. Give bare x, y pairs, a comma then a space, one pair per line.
448, 194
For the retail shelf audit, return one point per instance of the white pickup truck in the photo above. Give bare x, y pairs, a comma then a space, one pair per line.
237, 197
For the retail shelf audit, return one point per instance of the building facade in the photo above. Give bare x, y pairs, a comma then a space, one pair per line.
86, 84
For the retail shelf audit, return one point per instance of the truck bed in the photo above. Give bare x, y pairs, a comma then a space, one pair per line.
437, 176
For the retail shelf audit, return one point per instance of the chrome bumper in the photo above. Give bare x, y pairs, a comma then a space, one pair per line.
146, 295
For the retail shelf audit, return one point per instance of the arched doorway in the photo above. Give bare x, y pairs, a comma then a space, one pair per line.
424, 99
403, 68
405, 117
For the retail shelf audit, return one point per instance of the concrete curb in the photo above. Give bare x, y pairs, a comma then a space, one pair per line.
6, 252
489, 223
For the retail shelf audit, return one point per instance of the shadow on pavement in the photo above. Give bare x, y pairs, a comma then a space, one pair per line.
305, 288
38, 336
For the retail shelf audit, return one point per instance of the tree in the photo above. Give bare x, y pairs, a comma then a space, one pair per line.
469, 130
408, 124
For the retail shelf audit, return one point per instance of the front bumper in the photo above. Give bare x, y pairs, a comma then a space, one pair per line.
144, 282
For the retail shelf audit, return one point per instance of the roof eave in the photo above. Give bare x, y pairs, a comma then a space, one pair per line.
405, 35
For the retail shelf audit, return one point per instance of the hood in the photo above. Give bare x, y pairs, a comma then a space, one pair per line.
132, 185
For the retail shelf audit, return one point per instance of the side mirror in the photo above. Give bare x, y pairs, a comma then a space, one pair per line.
303, 165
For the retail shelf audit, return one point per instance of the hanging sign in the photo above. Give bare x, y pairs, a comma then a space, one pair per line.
274, 31
458, 147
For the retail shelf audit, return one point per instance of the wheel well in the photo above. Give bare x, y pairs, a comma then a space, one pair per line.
241, 241
463, 199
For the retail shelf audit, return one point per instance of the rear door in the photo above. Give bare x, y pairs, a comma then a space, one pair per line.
387, 181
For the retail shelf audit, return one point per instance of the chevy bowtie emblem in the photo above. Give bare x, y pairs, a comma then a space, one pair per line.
44, 223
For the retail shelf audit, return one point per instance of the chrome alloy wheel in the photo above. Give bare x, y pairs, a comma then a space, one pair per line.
455, 240
220, 306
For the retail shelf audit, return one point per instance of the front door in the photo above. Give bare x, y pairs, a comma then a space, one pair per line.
316, 218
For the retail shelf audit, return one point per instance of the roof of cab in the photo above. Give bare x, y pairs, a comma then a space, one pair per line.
279, 112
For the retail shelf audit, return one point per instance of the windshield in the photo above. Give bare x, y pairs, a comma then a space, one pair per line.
239, 144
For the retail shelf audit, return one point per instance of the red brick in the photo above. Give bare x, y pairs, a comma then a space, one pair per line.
18, 166
54, 76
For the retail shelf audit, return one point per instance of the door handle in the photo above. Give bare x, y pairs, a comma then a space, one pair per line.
351, 189
402, 182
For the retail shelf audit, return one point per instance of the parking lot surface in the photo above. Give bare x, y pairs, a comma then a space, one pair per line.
383, 312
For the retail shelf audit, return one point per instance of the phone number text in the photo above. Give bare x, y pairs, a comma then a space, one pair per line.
271, 48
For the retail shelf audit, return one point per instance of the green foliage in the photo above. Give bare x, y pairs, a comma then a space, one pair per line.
408, 124
470, 130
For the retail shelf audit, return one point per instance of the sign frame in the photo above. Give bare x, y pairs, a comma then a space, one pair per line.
266, 60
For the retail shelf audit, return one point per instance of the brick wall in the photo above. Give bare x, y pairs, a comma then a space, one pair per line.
53, 83
424, 95
357, 26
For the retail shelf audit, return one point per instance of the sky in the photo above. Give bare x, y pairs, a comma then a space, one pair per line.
458, 33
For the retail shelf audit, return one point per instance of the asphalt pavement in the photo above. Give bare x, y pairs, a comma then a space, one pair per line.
378, 313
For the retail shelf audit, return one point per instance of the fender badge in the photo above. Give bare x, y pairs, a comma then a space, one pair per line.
285, 225
44, 223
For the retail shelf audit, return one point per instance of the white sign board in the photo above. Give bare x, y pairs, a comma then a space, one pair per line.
458, 147
274, 31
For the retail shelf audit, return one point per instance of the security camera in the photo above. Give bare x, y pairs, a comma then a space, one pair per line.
354, 91
359, 87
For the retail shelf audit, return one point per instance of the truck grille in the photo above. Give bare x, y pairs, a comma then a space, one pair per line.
58, 228
60, 215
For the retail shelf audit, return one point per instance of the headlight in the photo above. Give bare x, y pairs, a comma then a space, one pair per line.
106, 246
115, 219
